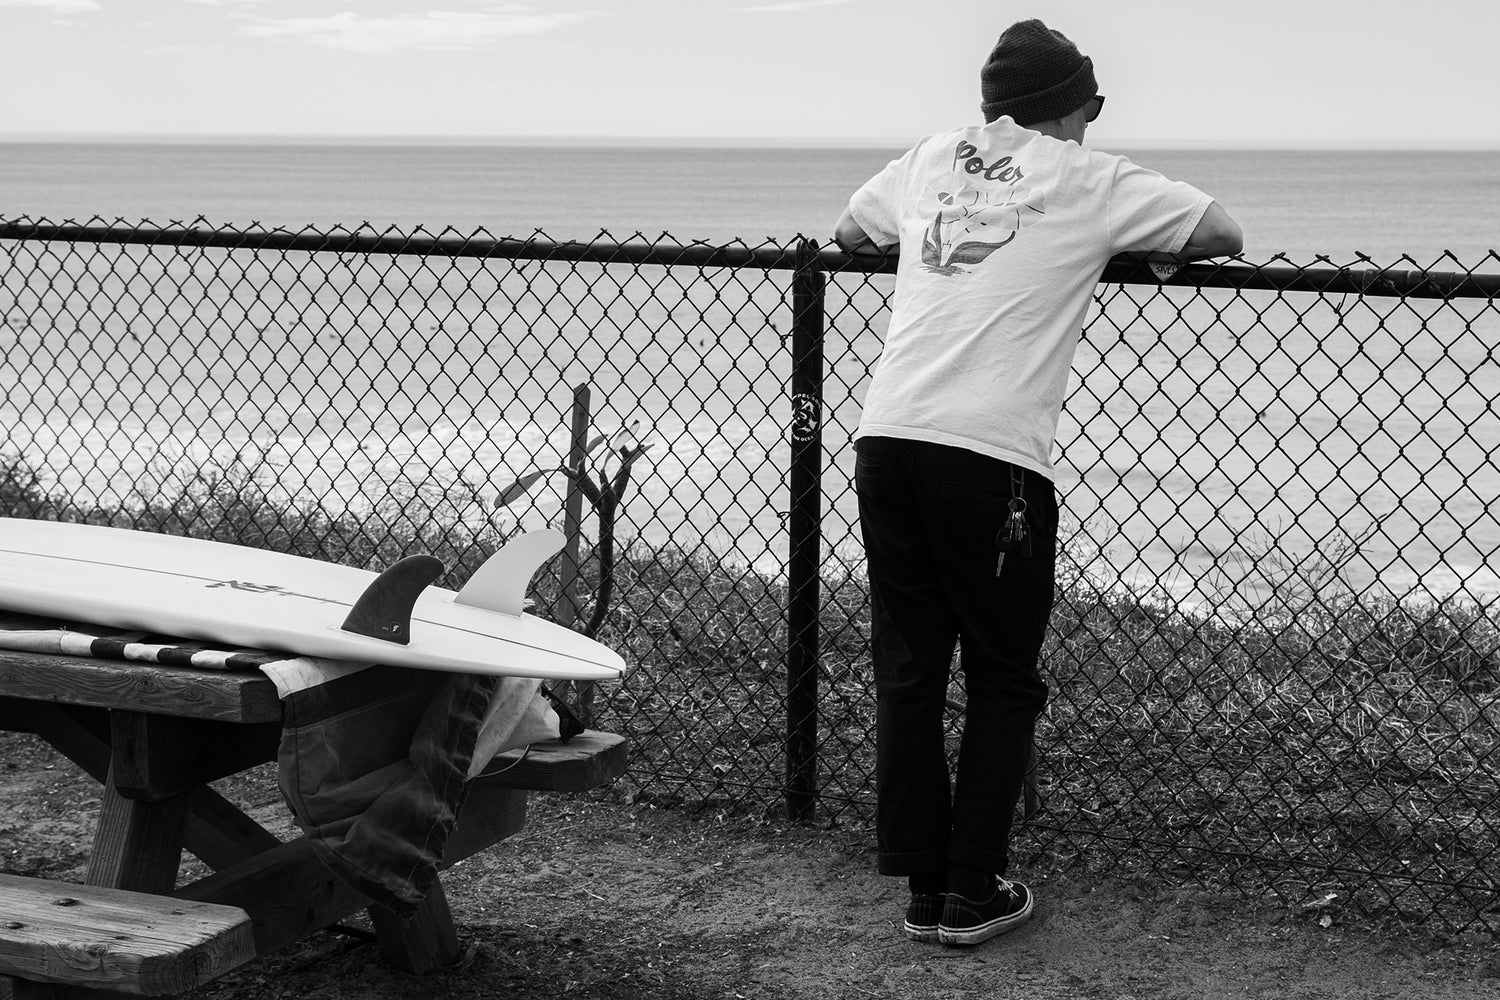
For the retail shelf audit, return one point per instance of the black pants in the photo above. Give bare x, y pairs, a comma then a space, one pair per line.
929, 515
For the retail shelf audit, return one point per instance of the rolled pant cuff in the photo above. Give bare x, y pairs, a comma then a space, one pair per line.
913, 863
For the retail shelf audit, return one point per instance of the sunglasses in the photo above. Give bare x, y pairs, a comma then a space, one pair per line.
1095, 106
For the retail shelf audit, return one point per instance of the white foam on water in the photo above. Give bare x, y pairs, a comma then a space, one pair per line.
719, 480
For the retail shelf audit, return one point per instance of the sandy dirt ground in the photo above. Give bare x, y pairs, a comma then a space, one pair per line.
599, 898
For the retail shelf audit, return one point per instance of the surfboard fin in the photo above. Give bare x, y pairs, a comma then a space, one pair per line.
500, 584
383, 611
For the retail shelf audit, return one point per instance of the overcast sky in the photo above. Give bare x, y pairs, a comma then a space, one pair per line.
1369, 72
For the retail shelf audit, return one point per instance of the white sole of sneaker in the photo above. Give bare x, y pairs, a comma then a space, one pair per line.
923, 934
993, 928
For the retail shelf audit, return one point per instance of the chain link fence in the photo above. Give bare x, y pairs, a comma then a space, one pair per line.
1274, 659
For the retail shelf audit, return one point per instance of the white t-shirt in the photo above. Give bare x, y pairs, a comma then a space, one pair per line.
1004, 232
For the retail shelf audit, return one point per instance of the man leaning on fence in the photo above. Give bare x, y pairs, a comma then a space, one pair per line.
1003, 231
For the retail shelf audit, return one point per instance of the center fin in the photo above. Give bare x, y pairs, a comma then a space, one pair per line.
383, 611
500, 584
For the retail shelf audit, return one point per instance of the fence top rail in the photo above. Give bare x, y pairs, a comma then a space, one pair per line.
449, 243
793, 254
1136, 269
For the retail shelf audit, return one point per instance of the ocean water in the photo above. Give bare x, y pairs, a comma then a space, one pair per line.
1301, 203
1215, 444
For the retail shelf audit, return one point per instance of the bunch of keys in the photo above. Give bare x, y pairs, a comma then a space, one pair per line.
1013, 534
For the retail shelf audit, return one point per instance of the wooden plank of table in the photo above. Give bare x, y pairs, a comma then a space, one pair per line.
289, 893
585, 761
141, 943
78, 733
233, 696
156, 756
490, 813
218, 833
137, 844
422, 943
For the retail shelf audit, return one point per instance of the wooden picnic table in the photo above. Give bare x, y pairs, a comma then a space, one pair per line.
155, 736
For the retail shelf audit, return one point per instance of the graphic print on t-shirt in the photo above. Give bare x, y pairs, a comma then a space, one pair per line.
975, 209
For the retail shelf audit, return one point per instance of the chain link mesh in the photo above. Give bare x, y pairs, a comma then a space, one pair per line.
1274, 658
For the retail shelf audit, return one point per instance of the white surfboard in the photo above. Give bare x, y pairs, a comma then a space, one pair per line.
266, 600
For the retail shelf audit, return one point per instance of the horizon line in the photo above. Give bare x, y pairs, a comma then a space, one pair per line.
685, 141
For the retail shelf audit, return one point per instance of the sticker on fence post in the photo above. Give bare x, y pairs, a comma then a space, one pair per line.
806, 417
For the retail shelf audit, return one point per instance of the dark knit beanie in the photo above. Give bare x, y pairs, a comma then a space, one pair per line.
1035, 74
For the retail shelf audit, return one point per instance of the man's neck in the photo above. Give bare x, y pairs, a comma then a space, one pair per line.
1059, 128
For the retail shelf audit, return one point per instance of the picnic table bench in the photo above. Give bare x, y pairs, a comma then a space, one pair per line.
155, 737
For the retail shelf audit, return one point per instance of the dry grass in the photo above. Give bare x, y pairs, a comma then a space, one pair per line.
1335, 745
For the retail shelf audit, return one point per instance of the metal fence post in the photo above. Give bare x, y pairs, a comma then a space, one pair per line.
805, 527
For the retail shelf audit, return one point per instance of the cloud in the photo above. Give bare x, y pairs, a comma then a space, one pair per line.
437, 29
56, 6
789, 5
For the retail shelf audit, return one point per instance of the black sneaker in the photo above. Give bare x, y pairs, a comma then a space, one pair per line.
923, 915
966, 922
